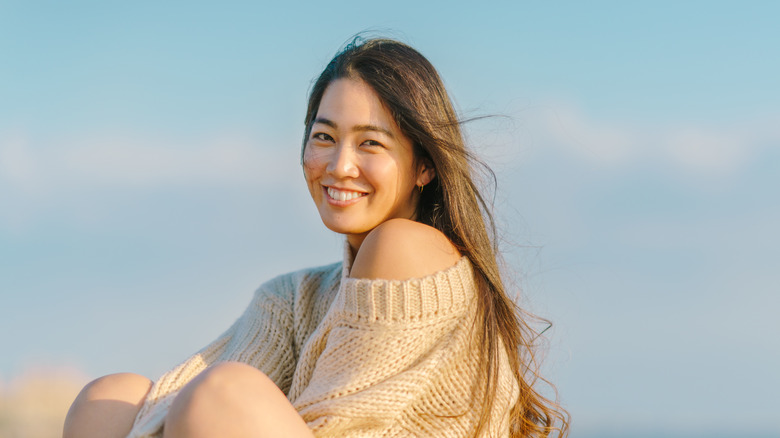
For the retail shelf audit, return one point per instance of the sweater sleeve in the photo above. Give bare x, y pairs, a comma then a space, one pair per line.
254, 339
397, 358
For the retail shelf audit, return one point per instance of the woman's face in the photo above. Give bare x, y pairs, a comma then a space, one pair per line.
359, 166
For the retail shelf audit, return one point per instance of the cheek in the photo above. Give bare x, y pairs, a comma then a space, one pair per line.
313, 163
382, 173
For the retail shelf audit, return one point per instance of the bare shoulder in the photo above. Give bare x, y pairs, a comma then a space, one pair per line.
400, 249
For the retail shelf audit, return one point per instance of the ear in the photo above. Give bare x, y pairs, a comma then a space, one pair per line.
426, 172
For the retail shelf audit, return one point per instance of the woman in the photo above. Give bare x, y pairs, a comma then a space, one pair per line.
412, 335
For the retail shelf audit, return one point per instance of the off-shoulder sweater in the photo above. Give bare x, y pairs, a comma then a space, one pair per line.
359, 357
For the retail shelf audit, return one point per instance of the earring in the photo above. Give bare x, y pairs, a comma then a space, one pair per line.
421, 187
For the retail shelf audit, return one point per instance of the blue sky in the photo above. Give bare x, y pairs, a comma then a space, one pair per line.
149, 181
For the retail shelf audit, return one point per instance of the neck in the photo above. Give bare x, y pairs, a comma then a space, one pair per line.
355, 240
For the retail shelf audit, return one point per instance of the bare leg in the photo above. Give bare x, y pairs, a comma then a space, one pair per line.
236, 400
106, 407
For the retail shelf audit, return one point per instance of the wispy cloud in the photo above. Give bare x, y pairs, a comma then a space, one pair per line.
723, 149
711, 150
568, 128
147, 163
77, 177
19, 168
115, 161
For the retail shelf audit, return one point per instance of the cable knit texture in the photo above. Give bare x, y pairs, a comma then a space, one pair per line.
358, 357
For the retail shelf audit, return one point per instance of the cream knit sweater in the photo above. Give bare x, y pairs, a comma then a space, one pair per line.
358, 357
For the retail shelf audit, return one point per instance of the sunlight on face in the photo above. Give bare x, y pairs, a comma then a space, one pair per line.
359, 166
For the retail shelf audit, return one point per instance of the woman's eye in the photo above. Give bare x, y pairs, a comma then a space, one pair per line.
322, 136
372, 143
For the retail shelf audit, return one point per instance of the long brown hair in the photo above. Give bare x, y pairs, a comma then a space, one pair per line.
409, 86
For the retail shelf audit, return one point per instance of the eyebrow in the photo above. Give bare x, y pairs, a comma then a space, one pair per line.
356, 128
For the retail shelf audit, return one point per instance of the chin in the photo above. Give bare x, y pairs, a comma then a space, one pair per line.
342, 227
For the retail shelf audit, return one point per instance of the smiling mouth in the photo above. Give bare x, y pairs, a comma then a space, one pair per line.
344, 195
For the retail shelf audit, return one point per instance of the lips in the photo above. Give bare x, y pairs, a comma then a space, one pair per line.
343, 195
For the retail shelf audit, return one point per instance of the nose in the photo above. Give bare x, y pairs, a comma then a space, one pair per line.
343, 162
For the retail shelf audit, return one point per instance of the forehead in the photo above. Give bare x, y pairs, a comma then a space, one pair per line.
353, 102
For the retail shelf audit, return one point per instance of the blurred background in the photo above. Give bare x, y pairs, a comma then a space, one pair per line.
150, 181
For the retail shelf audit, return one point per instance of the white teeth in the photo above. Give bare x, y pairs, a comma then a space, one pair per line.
343, 195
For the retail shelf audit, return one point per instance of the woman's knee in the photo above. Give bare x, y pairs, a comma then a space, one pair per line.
107, 406
225, 388
229, 381
232, 397
122, 386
